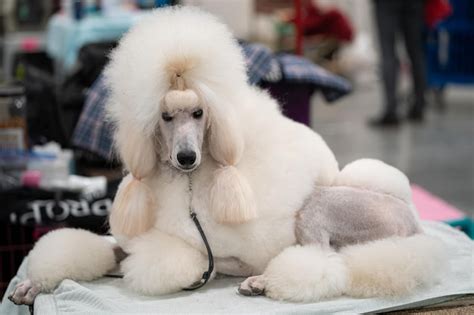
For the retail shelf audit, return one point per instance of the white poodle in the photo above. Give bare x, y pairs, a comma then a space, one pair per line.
267, 191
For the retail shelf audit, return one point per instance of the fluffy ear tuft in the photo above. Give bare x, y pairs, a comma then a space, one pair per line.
132, 212
231, 198
133, 208
225, 139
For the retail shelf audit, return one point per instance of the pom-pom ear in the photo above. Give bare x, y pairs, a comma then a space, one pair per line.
137, 149
133, 210
231, 198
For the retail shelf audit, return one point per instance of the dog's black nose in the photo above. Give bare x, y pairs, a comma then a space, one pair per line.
186, 158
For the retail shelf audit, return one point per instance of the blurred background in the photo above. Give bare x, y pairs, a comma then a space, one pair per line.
383, 79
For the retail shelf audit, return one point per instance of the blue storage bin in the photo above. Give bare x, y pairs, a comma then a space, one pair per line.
462, 10
450, 54
450, 47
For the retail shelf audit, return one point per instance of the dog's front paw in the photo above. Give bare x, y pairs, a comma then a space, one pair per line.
24, 293
161, 264
253, 286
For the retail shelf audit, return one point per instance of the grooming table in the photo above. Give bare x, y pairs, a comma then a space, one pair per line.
109, 295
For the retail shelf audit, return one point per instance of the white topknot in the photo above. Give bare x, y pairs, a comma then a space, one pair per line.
175, 40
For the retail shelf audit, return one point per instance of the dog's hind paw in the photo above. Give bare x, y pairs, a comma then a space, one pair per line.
24, 293
253, 286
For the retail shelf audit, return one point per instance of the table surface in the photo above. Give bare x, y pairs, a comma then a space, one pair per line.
109, 295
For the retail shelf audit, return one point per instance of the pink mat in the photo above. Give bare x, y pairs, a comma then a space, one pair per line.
433, 208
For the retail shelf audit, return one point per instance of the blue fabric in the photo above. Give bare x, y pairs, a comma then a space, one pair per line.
65, 36
93, 132
302, 70
261, 63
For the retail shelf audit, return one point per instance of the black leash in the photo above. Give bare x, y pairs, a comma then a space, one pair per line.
207, 274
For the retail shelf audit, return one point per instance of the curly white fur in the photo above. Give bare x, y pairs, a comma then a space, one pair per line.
182, 58
69, 254
387, 267
377, 176
160, 264
397, 266
275, 161
305, 274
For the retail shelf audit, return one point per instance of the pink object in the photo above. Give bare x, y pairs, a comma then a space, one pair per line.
30, 44
31, 178
433, 208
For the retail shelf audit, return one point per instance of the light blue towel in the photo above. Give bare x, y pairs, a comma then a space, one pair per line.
107, 296
65, 36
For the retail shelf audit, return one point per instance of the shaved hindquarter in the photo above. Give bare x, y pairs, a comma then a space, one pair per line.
341, 215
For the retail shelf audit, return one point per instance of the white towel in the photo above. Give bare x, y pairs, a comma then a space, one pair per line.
107, 295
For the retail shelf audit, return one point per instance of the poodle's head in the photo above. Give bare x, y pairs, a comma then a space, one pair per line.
182, 127
178, 88
176, 82
194, 120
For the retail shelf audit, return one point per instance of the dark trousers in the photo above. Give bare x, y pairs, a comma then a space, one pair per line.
404, 17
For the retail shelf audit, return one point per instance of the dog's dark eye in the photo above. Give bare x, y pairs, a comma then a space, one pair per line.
197, 114
166, 117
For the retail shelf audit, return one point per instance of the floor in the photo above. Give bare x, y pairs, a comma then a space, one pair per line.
437, 155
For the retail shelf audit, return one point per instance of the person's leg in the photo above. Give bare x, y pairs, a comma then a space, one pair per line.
387, 26
412, 29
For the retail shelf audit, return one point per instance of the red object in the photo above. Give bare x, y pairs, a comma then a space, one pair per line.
436, 11
30, 44
315, 21
31, 178
299, 27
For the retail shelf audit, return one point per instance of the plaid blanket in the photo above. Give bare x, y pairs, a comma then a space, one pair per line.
94, 133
